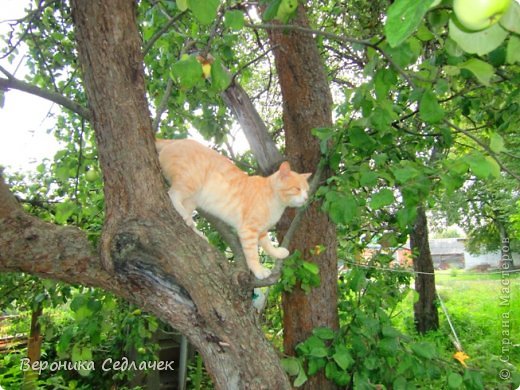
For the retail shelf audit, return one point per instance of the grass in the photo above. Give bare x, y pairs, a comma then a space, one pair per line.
485, 312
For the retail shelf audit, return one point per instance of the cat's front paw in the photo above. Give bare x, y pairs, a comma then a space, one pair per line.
281, 253
262, 273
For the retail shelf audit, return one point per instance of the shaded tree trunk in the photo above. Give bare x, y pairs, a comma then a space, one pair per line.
307, 104
425, 309
506, 256
34, 347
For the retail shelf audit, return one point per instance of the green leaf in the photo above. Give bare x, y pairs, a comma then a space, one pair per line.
399, 383
513, 50
314, 365
424, 34
424, 349
341, 208
182, 5
319, 352
220, 77
483, 166
234, 20
359, 138
403, 18
511, 19
82, 313
204, 10
64, 211
81, 353
382, 198
477, 42
300, 379
482, 70
324, 333
473, 379
343, 358
357, 280
271, 11
311, 267
496, 143
291, 365
188, 71
454, 380
368, 178
390, 331
429, 108
383, 81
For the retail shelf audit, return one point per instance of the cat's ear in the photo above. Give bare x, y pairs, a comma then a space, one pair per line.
306, 175
285, 170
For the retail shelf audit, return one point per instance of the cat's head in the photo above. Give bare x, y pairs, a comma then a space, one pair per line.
291, 187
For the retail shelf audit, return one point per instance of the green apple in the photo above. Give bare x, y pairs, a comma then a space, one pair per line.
479, 14
92, 175
285, 9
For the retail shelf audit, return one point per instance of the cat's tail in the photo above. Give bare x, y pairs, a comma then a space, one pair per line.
161, 143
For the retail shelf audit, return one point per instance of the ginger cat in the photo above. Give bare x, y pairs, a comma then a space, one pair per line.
202, 178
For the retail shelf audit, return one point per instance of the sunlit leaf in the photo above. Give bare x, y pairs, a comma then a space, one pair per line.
429, 108
403, 18
204, 10
477, 42
482, 70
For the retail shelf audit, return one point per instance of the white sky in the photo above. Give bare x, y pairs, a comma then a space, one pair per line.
24, 141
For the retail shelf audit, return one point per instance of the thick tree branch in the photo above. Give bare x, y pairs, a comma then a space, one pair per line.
30, 245
13, 83
255, 130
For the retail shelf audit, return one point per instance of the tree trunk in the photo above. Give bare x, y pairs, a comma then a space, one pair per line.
425, 309
506, 256
307, 104
149, 255
34, 346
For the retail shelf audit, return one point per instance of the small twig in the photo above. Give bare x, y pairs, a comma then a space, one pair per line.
338, 38
80, 160
162, 105
160, 33
256, 59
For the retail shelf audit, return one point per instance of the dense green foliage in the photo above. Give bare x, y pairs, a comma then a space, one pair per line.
425, 114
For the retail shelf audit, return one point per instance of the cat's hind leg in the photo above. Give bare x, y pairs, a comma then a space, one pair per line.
249, 241
270, 249
185, 207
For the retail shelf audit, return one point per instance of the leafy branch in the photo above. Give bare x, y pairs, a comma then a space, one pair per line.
485, 147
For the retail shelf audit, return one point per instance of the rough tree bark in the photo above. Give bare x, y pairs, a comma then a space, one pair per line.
425, 309
307, 104
147, 256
